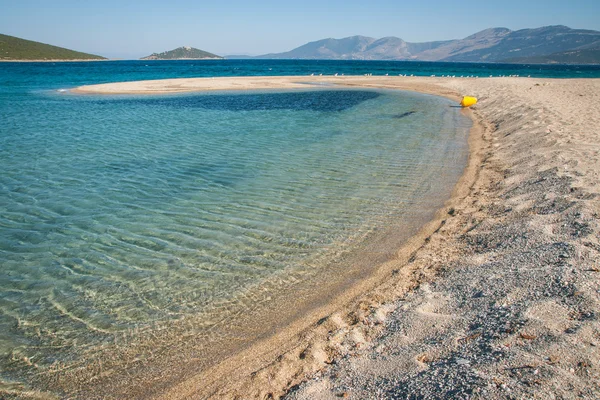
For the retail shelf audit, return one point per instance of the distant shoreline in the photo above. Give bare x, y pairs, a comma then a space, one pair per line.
571, 64
118, 59
178, 59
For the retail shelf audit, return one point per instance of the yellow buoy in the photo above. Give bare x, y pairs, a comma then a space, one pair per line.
468, 101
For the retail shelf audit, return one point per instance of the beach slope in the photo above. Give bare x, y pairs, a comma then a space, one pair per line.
497, 297
513, 309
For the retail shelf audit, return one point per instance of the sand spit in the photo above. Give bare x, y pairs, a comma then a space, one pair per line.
163, 86
496, 297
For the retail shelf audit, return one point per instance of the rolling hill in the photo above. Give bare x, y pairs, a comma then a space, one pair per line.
17, 49
532, 43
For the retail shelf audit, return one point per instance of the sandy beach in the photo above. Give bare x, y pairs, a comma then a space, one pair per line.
497, 296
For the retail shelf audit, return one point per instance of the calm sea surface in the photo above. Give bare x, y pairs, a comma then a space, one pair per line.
120, 216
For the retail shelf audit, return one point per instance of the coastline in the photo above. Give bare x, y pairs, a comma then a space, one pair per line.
349, 326
175, 59
269, 368
512, 311
274, 365
300, 334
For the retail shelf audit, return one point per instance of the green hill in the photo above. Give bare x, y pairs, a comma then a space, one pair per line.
577, 56
14, 48
182, 53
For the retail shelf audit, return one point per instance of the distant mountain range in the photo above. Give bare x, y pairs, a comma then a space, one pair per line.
550, 44
14, 48
183, 53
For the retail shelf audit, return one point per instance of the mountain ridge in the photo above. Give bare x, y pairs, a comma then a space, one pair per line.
547, 44
489, 45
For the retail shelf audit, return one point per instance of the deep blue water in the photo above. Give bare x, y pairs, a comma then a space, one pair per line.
56, 75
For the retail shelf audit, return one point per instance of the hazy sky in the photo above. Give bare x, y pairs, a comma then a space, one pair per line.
131, 29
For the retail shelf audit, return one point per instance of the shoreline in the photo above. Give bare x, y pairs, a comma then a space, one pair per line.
512, 312
307, 331
272, 366
523, 134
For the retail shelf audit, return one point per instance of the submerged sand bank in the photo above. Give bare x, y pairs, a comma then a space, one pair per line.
506, 276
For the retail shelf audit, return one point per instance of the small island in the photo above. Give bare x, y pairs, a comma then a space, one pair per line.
183, 53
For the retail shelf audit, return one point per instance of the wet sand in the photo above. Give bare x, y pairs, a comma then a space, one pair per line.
509, 305
497, 295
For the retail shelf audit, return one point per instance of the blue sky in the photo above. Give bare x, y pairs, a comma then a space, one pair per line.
131, 29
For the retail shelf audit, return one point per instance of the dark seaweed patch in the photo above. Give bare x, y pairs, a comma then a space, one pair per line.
326, 100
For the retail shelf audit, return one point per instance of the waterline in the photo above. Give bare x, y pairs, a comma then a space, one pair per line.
167, 217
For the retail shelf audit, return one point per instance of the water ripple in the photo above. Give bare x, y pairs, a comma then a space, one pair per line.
118, 215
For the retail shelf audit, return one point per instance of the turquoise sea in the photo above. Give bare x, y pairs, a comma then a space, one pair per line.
128, 221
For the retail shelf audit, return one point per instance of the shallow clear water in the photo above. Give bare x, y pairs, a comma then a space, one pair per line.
121, 214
